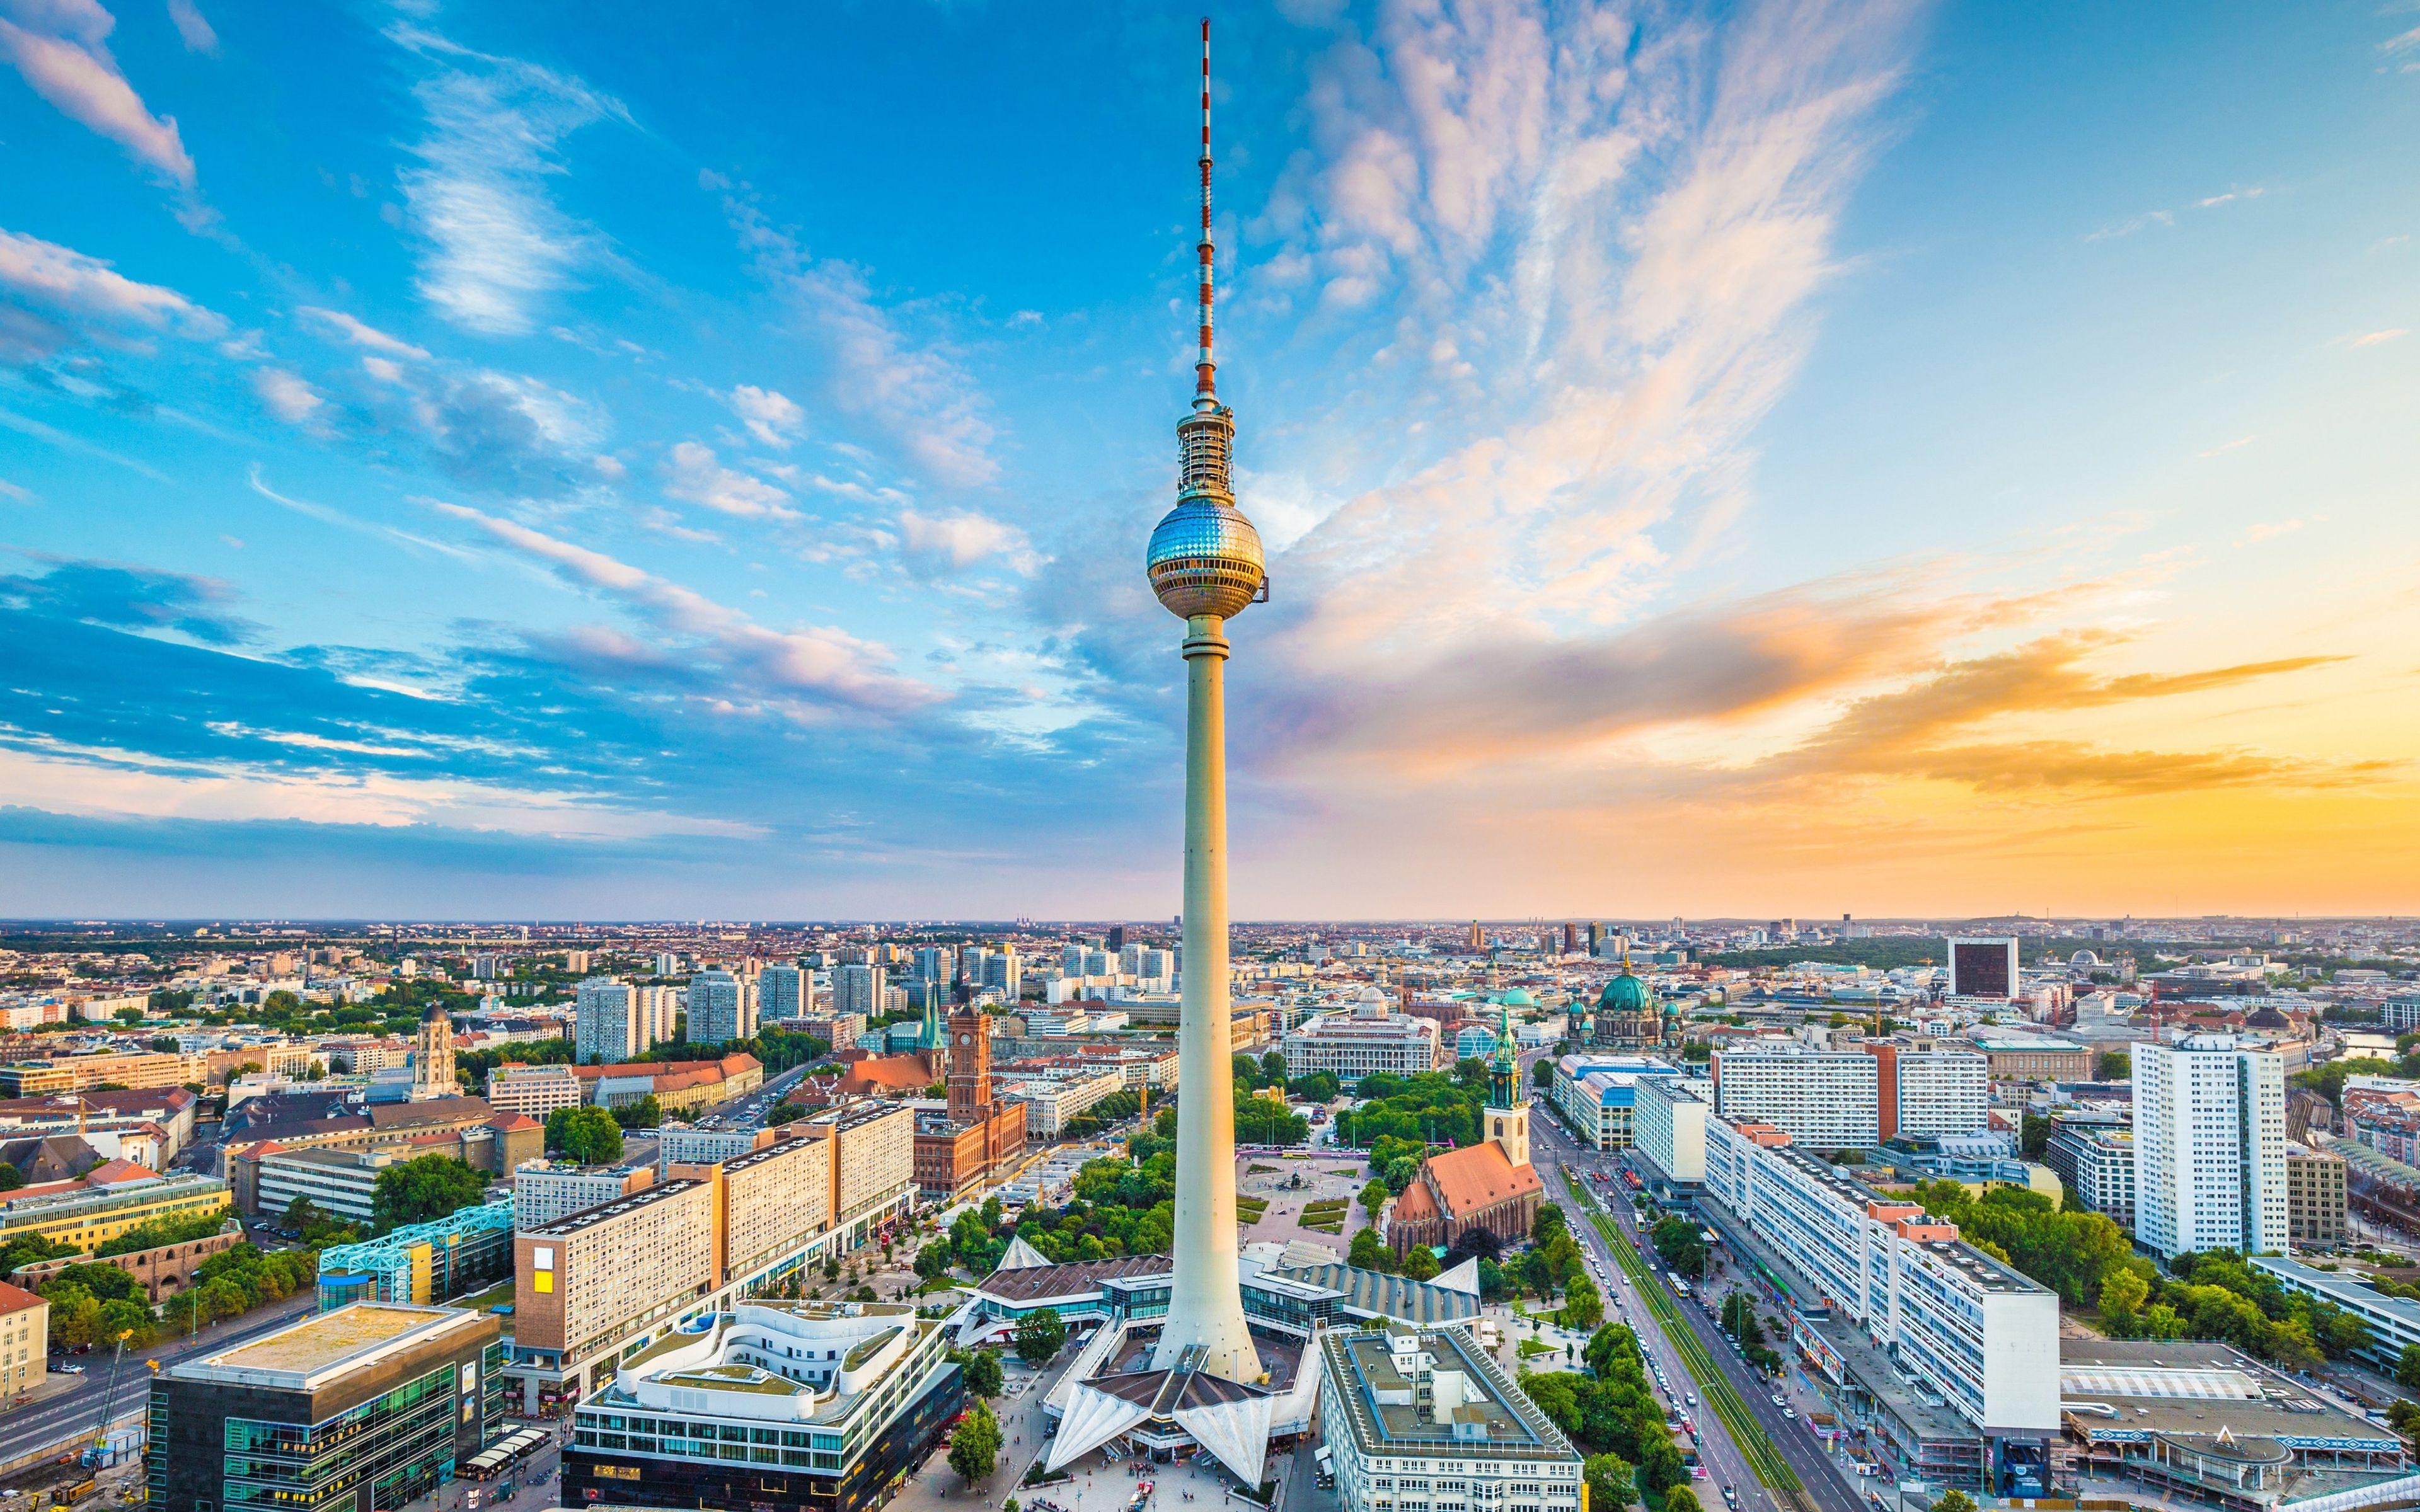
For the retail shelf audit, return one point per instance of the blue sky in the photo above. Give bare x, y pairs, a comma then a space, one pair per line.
538, 461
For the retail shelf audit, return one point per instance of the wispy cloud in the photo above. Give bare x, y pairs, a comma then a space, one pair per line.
60, 48
497, 246
772, 417
2378, 338
50, 282
287, 397
2133, 224
951, 541
913, 391
192, 27
695, 475
364, 336
803, 672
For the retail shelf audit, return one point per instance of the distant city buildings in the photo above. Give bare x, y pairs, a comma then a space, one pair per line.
1370, 1038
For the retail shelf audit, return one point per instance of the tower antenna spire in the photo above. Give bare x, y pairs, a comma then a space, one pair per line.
1205, 368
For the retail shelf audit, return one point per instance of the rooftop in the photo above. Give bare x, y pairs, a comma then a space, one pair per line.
306, 1354
587, 1218
1494, 1419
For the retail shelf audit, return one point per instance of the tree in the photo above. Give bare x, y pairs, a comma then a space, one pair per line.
2112, 1066
1374, 1197
1368, 1252
646, 1113
587, 1135
419, 1191
784, 1112
11, 1178
1401, 1172
1954, 1501
302, 1213
2122, 1295
2033, 1137
1419, 1263
1583, 1306
985, 1376
1041, 1336
1548, 1223
932, 1260
1610, 1484
975, 1445
2407, 1368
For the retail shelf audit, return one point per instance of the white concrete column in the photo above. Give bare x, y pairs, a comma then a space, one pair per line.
1206, 1301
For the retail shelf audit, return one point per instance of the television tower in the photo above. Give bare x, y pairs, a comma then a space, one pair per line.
1205, 564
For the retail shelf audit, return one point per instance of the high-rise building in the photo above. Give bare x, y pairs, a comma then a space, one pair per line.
1117, 938
860, 990
1929, 1091
2316, 1197
605, 1028
935, 963
1004, 973
1983, 967
2210, 1147
1570, 938
1477, 937
785, 992
668, 964
720, 1008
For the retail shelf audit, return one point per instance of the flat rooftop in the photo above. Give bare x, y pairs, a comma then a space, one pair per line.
306, 1354
2124, 1388
1494, 1419
589, 1217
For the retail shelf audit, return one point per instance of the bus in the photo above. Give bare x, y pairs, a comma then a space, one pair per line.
1680, 1287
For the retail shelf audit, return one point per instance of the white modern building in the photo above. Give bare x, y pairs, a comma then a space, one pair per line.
1424, 1419
1941, 1092
1370, 1038
721, 1008
1052, 1100
1668, 1128
1823, 1099
1981, 1335
2393, 1322
1984, 968
1597, 1095
2210, 1147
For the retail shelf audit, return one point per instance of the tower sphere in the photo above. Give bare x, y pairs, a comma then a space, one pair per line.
1206, 559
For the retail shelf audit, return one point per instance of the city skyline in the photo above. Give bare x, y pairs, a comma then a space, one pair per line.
1932, 463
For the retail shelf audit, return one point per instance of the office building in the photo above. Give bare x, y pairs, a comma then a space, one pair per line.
437, 1261
1823, 1099
785, 993
2393, 1322
25, 1342
2315, 1198
1416, 1417
1897, 1296
545, 1190
137, 1070
342, 1183
106, 1201
606, 1021
1983, 967
1668, 1129
2096, 1156
1596, 1095
372, 1405
781, 1406
721, 1008
2210, 1147
1368, 1038
532, 1091
2032, 1057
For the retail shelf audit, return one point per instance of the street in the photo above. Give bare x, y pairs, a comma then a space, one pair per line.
1559, 1157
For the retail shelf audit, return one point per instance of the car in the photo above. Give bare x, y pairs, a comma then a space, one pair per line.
1778, 1401
1787, 1415
1698, 1472
1691, 1397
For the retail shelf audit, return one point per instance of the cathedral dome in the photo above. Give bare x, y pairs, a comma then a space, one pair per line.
1518, 997
1626, 993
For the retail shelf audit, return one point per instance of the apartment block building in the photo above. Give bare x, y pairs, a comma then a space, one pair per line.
1668, 1121
137, 1070
24, 1341
1822, 1099
2097, 1158
2315, 1197
775, 1199
607, 1024
721, 1008
587, 1284
2210, 1147
1939, 1311
873, 1163
546, 1190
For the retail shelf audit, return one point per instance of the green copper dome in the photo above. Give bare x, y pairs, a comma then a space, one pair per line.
1518, 997
1626, 993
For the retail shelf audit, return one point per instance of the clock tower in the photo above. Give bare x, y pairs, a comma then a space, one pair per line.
970, 1065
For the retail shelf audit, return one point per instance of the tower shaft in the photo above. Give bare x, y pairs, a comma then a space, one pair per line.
1206, 1303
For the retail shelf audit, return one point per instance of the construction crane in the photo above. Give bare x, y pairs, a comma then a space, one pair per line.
100, 1450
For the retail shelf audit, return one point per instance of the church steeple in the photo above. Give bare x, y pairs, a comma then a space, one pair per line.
1505, 1074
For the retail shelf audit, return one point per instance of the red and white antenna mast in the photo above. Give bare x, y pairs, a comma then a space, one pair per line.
1205, 369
